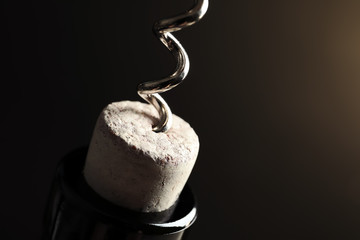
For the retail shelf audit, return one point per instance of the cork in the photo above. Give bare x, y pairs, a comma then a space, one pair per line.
131, 166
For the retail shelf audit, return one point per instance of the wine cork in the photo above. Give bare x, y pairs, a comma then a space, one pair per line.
131, 166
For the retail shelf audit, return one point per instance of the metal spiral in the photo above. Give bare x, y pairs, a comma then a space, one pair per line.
163, 28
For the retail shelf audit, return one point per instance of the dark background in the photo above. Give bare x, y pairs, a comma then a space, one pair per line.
273, 93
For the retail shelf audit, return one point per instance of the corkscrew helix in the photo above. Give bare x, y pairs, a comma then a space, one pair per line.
150, 90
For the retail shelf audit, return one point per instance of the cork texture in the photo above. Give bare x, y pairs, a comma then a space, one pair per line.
134, 167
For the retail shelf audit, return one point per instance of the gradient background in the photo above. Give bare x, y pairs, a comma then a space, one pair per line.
273, 93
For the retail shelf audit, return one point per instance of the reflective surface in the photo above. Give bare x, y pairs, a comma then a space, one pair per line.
163, 28
75, 211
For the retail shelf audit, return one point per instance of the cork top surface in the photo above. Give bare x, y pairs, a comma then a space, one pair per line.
132, 122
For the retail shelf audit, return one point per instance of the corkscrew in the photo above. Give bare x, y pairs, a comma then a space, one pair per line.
150, 91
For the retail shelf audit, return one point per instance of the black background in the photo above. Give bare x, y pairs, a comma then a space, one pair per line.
273, 93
